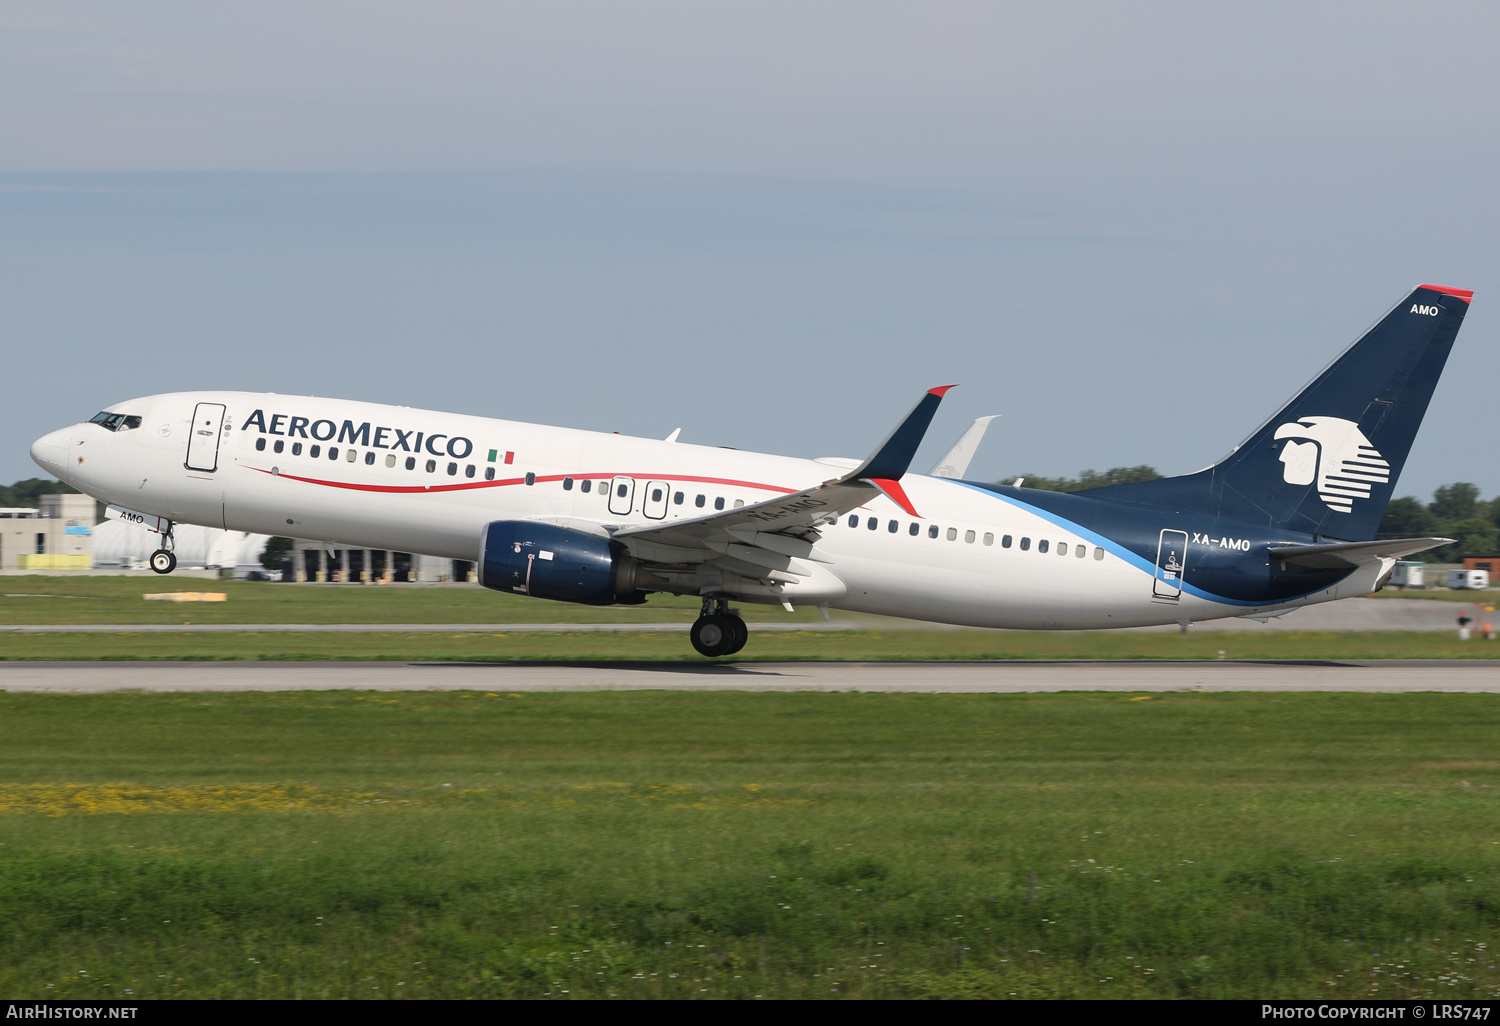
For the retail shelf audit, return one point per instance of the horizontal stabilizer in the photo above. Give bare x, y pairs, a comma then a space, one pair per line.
1342, 555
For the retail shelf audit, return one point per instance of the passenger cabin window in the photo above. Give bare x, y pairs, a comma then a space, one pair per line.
872, 523
700, 500
932, 532
411, 463
585, 485
1062, 548
953, 534
469, 470
260, 445
738, 503
1098, 553
452, 469
489, 473
1041, 545
567, 484
969, 537
296, 448
280, 446
677, 499
853, 520
719, 502
1005, 541
315, 451
915, 530
989, 539
431, 466
333, 453
893, 527
390, 459
1025, 544
369, 458
351, 456
1080, 551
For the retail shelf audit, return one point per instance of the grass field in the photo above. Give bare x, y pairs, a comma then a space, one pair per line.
95, 600
39, 599
736, 845
779, 645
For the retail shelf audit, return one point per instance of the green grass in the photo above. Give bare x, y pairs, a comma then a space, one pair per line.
731, 845
90, 600
788, 645
108, 600
1473, 598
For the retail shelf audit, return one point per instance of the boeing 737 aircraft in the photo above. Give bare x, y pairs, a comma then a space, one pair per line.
1287, 519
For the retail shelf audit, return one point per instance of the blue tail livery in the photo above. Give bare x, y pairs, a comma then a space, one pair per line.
1326, 463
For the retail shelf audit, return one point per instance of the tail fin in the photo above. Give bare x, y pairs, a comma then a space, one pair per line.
1327, 462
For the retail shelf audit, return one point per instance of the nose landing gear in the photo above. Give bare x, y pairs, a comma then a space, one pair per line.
718, 631
163, 561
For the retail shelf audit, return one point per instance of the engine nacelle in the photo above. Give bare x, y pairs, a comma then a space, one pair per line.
547, 561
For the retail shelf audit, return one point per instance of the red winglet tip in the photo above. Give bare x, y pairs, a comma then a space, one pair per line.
942, 390
1467, 295
895, 493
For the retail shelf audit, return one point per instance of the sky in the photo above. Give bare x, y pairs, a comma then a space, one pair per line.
1131, 230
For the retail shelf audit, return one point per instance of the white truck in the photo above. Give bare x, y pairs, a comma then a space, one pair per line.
1409, 574
1468, 579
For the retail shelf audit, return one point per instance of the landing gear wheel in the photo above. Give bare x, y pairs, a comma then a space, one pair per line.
741, 633
714, 635
163, 562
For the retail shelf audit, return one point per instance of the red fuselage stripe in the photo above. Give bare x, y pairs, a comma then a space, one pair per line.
467, 485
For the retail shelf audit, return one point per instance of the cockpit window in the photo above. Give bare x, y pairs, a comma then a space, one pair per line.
115, 421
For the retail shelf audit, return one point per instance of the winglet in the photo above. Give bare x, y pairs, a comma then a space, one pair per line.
895, 493
894, 456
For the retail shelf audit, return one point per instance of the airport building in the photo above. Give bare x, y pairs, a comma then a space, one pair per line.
1488, 561
62, 534
57, 536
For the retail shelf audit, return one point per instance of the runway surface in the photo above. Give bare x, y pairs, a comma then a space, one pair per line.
952, 677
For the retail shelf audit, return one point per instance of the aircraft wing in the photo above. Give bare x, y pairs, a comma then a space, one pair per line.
1341, 555
767, 539
955, 462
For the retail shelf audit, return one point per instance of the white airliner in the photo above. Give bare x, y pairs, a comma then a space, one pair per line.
1287, 519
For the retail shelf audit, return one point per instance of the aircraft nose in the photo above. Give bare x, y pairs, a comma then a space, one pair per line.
50, 452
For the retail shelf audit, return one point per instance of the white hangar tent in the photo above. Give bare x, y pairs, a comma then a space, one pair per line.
121, 545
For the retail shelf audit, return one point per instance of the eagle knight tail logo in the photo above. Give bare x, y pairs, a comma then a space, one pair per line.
1334, 453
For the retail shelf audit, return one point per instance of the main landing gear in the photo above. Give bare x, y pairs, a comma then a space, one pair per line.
163, 561
717, 631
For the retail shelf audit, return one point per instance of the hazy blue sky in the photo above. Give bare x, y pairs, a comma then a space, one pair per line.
1130, 229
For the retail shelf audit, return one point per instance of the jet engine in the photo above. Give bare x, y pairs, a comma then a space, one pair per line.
547, 561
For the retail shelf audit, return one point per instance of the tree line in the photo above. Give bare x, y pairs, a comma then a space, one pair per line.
28, 494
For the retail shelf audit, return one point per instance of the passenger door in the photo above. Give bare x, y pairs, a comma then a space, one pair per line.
203, 437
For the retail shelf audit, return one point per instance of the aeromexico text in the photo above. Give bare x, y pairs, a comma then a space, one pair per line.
375, 437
